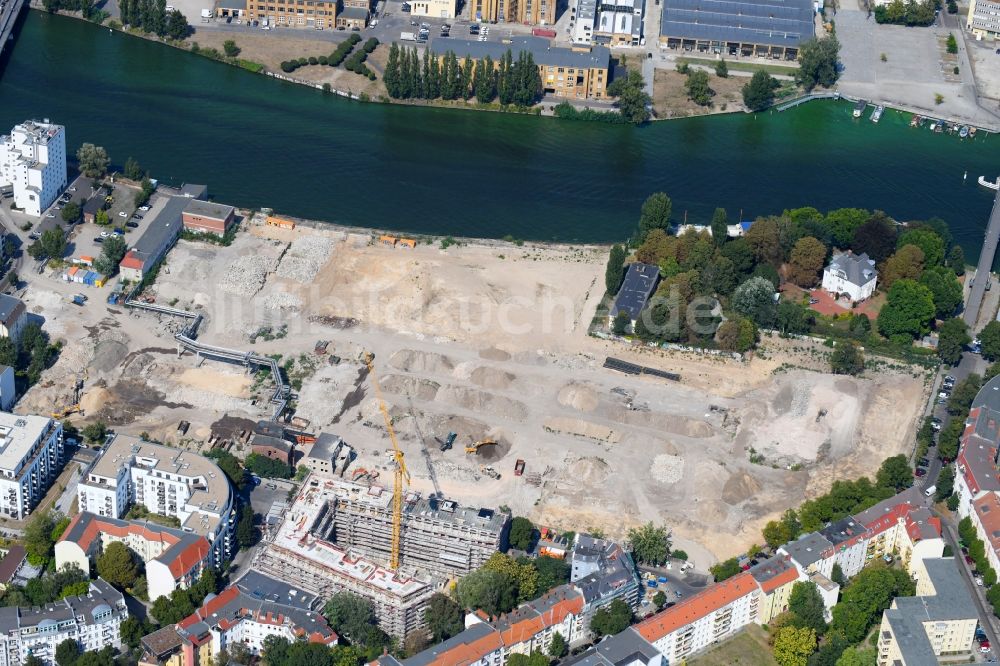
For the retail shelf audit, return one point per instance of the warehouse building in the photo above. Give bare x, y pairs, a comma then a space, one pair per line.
166, 481
162, 231
300, 553
438, 536
31, 456
744, 28
289, 13
206, 217
527, 12
93, 620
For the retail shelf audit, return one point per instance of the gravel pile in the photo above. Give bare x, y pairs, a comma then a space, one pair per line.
281, 300
305, 257
246, 275
668, 468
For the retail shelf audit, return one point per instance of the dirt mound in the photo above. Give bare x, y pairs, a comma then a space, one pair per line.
739, 488
677, 425
579, 396
409, 360
421, 389
467, 429
482, 402
494, 354
108, 355
94, 399
582, 428
588, 471
491, 378
530, 358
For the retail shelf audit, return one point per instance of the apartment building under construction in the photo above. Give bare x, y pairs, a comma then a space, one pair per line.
438, 536
300, 553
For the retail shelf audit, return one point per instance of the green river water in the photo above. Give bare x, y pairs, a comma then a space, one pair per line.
256, 141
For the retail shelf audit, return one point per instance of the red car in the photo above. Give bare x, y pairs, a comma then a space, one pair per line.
969, 560
920, 471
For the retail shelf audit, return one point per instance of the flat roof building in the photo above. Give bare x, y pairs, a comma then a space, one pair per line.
207, 217
763, 28
163, 228
31, 457
639, 284
33, 164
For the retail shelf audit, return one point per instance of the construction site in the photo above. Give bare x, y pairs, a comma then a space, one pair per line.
497, 395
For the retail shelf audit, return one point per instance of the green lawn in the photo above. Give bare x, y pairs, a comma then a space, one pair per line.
742, 66
748, 648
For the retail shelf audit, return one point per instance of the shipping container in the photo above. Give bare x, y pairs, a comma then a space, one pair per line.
543, 32
85, 260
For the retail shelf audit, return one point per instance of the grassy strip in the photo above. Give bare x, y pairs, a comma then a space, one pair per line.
739, 66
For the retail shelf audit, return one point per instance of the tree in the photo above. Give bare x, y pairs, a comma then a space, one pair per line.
246, 533
533, 659
650, 543
847, 359
868, 594
725, 569
611, 619
755, 299
720, 227
558, 646
895, 473
818, 63
38, 540
655, 214
776, 533
953, 335
101, 218
806, 604
522, 533
948, 440
229, 46
112, 253
945, 290
490, 591
132, 631
521, 571
908, 310
793, 645
956, 259
876, 237
95, 432
552, 572
268, 467
350, 615
906, 264
444, 617
722, 69
952, 43
659, 600
928, 240
117, 566
93, 160
837, 575
806, 261
965, 392
8, 352
132, 169
698, 90
758, 93
793, 318
67, 652
989, 339
945, 484
52, 244
615, 271
736, 335
70, 212
621, 323
633, 101
764, 238
858, 656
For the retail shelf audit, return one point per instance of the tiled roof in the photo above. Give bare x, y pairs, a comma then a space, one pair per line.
979, 449
987, 510
920, 524
131, 260
696, 607
774, 572
886, 513
11, 561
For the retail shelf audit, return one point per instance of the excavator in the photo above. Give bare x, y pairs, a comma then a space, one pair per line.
475, 446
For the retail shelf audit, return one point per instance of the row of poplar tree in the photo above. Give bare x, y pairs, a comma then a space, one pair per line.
509, 80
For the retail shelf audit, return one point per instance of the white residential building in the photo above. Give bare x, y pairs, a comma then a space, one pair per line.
93, 620
33, 163
984, 19
850, 274
164, 480
31, 456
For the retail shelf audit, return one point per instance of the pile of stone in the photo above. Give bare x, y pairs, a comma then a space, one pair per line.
246, 275
282, 300
305, 257
668, 468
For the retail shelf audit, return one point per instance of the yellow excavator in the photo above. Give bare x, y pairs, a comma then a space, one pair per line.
72, 409
475, 446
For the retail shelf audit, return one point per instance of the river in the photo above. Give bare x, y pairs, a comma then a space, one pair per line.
258, 142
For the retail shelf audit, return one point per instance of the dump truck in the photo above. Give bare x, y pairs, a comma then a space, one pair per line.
519, 467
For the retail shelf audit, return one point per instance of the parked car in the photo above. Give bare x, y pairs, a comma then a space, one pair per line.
923, 462
34, 235
122, 213
132, 225
143, 208
920, 471
98, 240
969, 560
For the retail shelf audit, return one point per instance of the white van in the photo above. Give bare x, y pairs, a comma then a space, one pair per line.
930, 491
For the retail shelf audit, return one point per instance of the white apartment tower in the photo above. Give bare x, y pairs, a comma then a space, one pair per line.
33, 163
31, 456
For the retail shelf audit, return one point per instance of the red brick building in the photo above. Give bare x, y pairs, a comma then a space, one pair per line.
208, 218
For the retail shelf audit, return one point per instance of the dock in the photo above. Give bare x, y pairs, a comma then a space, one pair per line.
986, 256
8, 20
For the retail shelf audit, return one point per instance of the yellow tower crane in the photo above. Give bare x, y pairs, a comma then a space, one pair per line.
402, 475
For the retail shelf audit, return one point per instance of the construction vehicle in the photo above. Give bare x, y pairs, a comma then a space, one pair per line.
448, 441
519, 467
72, 409
475, 446
489, 471
401, 476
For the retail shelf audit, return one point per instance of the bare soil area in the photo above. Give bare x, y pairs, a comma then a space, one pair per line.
670, 100
489, 341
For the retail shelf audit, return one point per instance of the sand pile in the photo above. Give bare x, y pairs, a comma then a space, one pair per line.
739, 488
579, 396
494, 354
667, 469
482, 402
421, 389
491, 378
305, 257
409, 360
588, 471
